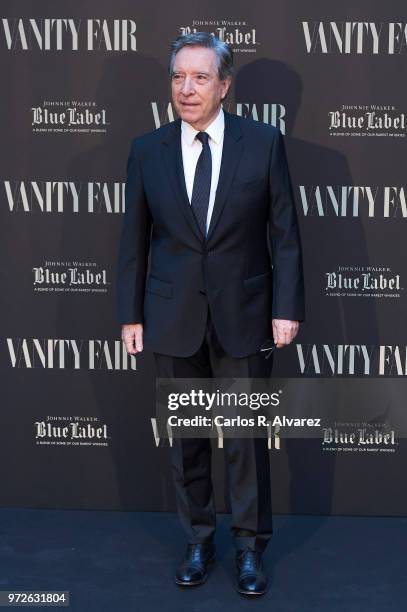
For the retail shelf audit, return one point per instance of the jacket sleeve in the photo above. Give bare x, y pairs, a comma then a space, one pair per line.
134, 244
284, 238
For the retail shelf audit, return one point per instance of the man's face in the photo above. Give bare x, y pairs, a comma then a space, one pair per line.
196, 89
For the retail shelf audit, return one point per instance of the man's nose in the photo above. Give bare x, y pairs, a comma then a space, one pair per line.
187, 86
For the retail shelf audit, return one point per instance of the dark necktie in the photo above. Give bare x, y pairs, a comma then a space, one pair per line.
202, 183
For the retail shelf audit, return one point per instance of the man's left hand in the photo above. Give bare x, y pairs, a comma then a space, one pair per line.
284, 331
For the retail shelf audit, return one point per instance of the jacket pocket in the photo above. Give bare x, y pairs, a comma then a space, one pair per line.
159, 287
257, 284
249, 183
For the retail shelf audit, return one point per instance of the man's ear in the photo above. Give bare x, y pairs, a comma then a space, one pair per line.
227, 82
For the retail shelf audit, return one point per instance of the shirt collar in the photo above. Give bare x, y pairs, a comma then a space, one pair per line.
215, 129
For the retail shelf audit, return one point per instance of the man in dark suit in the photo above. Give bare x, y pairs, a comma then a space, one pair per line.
209, 200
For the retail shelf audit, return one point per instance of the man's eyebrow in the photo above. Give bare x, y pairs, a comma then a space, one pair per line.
195, 72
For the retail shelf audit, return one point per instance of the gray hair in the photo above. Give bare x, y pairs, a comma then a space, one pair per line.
224, 52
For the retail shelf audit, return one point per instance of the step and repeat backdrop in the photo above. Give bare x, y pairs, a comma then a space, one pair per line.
79, 82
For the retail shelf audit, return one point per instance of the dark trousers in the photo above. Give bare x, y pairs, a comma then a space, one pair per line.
247, 459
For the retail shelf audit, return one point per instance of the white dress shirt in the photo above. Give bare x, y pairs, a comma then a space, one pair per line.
191, 150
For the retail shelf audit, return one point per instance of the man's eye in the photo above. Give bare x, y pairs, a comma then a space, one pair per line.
201, 77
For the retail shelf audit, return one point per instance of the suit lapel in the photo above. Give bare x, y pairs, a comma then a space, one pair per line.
231, 154
175, 169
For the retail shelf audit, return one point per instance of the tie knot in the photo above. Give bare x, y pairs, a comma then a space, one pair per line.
203, 137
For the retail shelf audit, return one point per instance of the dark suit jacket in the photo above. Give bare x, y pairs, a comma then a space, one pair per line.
249, 268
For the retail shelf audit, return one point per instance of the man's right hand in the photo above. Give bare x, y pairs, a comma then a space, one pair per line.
132, 336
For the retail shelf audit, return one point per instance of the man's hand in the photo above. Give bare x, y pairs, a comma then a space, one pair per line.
284, 331
132, 336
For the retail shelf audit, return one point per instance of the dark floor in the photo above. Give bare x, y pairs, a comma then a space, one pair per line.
124, 561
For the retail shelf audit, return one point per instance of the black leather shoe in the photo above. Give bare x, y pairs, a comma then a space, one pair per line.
251, 579
193, 569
